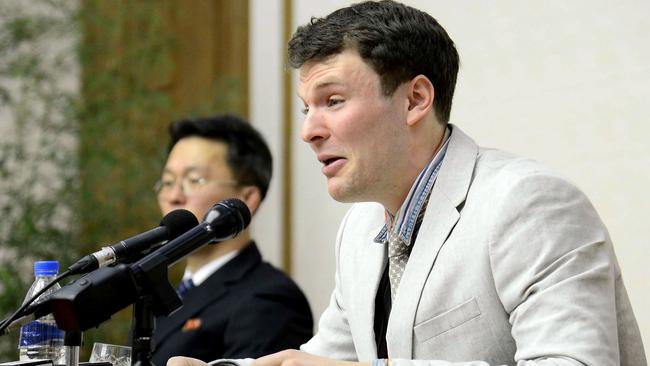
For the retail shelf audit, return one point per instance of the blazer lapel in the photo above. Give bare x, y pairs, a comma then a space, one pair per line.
193, 302
449, 192
208, 292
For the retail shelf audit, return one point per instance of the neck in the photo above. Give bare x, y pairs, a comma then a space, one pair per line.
210, 252
420, 156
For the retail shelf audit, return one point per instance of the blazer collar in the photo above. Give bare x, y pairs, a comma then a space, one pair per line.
456, 172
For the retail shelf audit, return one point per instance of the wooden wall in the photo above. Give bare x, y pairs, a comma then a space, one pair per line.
144, 64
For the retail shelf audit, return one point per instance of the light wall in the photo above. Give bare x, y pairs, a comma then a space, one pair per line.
564, 82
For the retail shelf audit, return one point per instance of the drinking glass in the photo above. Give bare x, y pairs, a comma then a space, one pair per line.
117, 355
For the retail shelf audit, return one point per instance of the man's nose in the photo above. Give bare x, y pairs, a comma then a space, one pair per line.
314, 129
176, 195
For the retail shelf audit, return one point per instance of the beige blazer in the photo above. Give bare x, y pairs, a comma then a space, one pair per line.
511, 266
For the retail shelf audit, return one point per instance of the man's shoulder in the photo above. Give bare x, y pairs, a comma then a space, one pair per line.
508, 183
498, 176
265, 277
497, 164
505, 169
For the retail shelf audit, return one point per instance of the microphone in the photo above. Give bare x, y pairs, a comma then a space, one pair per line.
171, 226
223, 221
91, 300
227, 219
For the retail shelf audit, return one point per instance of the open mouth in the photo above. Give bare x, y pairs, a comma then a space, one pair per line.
331, 164
329, 161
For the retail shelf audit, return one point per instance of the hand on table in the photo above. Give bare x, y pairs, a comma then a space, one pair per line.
298, 358
283, 358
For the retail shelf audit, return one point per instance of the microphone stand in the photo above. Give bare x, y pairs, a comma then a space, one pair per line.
144, 323
72, 342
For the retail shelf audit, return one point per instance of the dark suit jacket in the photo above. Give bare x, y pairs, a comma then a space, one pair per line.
247, 308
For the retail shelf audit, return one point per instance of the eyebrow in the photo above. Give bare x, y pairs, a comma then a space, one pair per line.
323, 85
328, 83
190, 169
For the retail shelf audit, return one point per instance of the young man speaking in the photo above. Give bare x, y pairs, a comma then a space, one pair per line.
453, 254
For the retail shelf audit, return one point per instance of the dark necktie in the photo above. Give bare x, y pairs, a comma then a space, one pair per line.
184, 287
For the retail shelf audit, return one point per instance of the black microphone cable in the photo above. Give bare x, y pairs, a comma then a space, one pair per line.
29, 301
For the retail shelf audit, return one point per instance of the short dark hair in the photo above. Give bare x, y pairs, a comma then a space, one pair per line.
397, 41
248, 157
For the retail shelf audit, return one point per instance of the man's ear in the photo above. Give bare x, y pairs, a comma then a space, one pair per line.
420, 99
252, 197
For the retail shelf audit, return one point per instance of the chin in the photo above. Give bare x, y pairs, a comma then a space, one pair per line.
342, 194
335, 193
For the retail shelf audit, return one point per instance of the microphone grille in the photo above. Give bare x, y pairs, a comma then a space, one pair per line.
241, 208
178, 222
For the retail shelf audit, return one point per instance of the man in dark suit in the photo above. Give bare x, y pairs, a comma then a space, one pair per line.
234, 305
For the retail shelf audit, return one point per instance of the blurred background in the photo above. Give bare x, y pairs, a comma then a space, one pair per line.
87, 89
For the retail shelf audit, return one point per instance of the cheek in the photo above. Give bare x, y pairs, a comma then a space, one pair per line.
354, 132
200, 208
200, 204
164, 206
366, 132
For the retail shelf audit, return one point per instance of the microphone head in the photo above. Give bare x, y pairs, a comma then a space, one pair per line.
178, 222
240, 207
232, 216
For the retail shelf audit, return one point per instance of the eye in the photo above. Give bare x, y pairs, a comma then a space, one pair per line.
331, 102
304, 110
196, 181
164, 184
167, 183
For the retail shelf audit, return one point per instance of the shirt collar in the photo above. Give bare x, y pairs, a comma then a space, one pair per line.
406, 217
207, 270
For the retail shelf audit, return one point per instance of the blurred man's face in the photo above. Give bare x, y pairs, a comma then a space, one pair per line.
358, 134
196, 176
